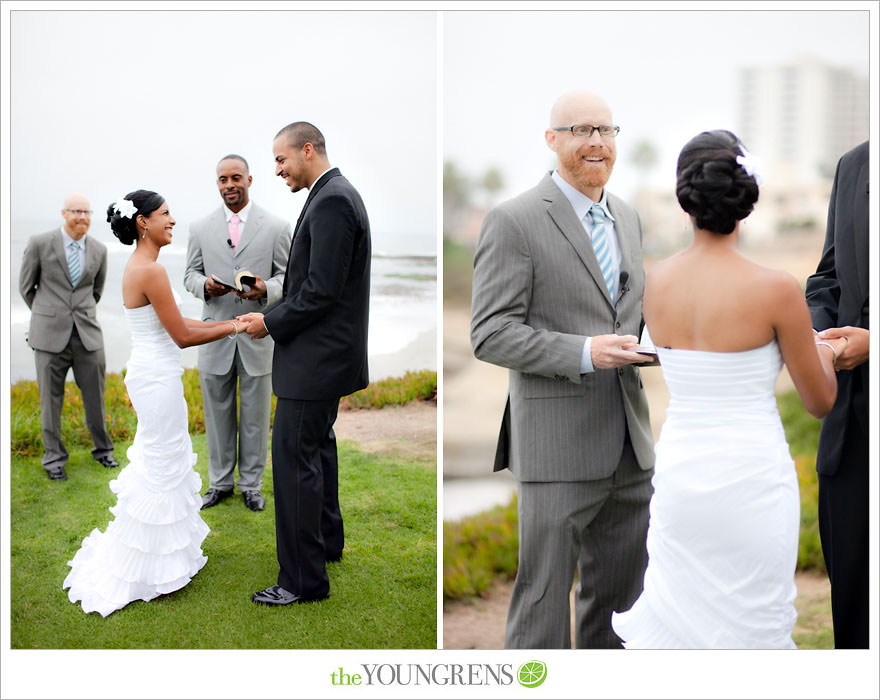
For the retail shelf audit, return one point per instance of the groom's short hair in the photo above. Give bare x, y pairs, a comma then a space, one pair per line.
235, 156
298, 134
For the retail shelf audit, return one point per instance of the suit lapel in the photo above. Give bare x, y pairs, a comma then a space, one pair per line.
860, 226
319, 183
61, 254
625, 237
92, 262
562, 214
219, 224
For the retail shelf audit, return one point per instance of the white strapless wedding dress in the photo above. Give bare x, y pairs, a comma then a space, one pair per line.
153, 544
725, 514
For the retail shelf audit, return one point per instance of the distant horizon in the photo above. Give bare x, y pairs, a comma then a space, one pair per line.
22, 228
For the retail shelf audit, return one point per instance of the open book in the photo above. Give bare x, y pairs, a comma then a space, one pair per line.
244, 280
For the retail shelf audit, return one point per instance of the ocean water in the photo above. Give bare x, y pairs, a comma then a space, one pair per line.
403, 297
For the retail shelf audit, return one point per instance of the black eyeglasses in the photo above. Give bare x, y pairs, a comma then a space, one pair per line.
585, 131
80, 212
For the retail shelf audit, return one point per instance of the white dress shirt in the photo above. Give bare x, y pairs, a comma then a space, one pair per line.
242, 215
581, 205
321, 175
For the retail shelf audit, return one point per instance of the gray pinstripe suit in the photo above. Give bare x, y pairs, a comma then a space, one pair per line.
580, 445
263, 249
64, 333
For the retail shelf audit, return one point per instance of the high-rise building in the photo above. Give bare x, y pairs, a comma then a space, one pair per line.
800, 117
797, 118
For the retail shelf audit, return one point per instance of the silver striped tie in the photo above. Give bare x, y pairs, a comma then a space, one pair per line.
73, 262
600, 245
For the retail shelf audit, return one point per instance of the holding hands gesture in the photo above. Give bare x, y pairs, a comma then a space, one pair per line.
850, 345
253, 325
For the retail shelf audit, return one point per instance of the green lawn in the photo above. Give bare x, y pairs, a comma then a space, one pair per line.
383, 592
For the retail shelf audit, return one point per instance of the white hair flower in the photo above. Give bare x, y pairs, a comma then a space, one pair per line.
750, 164
125, 208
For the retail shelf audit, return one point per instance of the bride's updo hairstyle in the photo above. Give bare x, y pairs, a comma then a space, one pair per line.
712, 186
121, 217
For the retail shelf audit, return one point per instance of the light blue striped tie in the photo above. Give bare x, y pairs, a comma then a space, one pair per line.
73, 262
600, 245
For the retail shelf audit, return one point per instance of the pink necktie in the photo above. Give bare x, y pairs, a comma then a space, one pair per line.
234, 230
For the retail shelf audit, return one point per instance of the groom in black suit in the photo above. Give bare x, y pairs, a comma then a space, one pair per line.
837, 295
320, 331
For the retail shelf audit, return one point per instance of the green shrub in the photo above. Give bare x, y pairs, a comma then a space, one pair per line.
394, 391
809, 545
26, 429
802, 434
478, 549
458, 271
801, 429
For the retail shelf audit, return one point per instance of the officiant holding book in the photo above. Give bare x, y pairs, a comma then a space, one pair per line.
238, 237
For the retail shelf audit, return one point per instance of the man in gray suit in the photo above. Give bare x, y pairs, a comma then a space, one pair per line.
557, 291
238, 237
62, 278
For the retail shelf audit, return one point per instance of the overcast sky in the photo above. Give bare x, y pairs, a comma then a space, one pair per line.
667, 75
105, 102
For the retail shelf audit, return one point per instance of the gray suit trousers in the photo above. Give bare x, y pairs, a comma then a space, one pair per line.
222, 425
598, 527
88, 372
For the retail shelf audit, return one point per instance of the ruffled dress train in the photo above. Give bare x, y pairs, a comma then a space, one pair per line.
153, 544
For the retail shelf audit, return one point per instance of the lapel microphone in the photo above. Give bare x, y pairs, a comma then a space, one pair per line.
624, 278
229, 242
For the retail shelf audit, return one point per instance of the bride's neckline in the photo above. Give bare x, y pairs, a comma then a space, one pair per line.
135, 308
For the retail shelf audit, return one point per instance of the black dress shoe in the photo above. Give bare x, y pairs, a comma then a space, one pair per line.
56, 473
107, 461
253, 500
213, 496
276, 595
333, 557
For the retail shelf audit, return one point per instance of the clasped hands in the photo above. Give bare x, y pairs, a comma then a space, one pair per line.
253, 325
850, 345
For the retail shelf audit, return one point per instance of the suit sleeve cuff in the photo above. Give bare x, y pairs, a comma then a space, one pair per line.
586, 357
266, 324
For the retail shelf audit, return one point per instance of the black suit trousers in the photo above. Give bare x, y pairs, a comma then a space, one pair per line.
843, 529
308, 522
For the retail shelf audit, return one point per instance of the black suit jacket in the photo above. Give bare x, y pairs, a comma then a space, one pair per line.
837, 295
320, 323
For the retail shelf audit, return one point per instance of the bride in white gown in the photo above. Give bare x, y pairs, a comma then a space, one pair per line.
153, 544
725, 514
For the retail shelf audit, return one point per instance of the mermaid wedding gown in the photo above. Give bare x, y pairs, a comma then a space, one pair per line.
723, 534
153, 544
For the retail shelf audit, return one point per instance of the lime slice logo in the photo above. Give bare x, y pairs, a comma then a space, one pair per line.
531, 674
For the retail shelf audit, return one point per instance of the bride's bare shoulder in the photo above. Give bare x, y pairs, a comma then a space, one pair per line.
661, 272
774, 279
144, 269
144, 277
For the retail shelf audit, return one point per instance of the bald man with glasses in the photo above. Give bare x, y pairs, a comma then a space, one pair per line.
557, 299
62, 278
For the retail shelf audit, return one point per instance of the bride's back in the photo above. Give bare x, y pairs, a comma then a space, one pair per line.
709, 297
